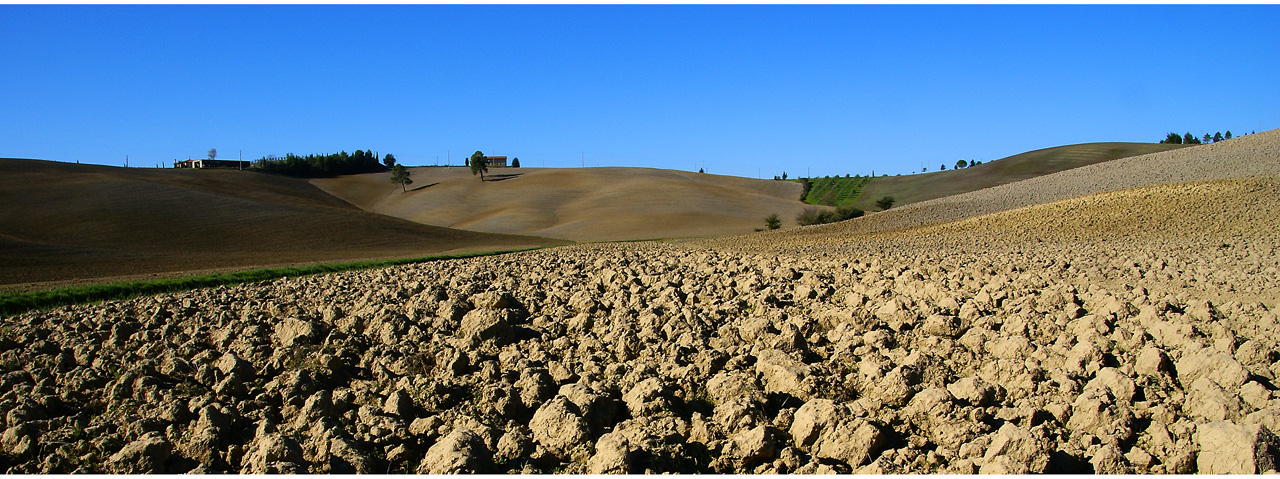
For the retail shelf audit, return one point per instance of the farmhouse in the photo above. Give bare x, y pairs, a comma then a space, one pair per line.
495, 161
207, 163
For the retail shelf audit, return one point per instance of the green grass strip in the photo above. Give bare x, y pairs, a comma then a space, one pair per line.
13, 304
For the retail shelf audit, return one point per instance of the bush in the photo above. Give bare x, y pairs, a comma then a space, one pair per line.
885, 203
814, 216
772, 221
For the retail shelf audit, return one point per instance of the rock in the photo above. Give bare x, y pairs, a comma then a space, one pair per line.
1109, 460
781, 373
293, 331
273, 453
852, 441
481, 325
460, 452
516, 443
1152, 362
1120, 387
942, 325
147, 455
614, 455
753, 447
972, 390
1015, 450
493, 300
647, 397
558, 427
811, 420
1229, 448
228, 363
398, 403
1218, 366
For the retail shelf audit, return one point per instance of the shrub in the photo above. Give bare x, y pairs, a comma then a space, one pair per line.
772, 221
885, 203
814, 216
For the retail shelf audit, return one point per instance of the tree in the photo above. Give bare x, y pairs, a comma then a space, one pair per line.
213, 153
772, 221
400, 176
1173, 139
961, 164
389, 160
478, 164
784, 175
942, 167
1187, 139
515, 163
1207, 138
701, 171
1217, 137
1228, 135
885, 203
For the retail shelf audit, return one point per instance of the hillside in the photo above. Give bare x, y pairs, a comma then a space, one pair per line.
581, 204
915, 188
64, 222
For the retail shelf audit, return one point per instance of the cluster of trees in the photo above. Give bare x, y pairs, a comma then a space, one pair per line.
320, 166
959, 164
1189, 139
814, 216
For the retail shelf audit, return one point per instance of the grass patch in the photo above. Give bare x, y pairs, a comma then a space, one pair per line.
835, 190
12, 304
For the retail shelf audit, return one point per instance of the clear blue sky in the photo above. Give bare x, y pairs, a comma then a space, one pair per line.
743, 90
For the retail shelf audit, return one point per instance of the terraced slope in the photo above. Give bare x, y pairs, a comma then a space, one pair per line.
581, 204
65, 222
909, 189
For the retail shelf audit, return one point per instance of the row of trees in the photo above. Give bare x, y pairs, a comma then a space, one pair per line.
320, 166
1188, 139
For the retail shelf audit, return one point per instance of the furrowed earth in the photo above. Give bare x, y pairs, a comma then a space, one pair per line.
1115, 318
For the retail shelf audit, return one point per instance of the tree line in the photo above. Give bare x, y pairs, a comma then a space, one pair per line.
320, 166
1189, 139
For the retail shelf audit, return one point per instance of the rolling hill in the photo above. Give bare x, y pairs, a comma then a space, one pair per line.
909, 189
66, 222
581, 204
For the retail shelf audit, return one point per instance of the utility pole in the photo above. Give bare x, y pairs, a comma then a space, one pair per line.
126, 161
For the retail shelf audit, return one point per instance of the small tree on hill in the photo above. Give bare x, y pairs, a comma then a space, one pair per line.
961, 164
400, 176
478, 164
1207, 138
885, 203
1187, 139
213, 153
389, 160
772, 221
784, 175
515, 163
1217, 137
1228, 135
1172, 139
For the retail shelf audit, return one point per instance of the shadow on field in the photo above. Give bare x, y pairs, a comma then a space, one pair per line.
425, 186
502, 177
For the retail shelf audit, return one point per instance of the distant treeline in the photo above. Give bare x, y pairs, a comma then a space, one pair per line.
1189, 139
319, 166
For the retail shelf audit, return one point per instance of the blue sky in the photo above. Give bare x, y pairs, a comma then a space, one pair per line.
743, 90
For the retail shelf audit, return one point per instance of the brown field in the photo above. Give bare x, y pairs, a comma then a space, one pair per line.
580, 204
908, 189
1116, 318
68, 223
